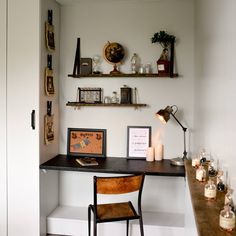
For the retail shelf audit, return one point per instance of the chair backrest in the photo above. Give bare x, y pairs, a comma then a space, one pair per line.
119, 185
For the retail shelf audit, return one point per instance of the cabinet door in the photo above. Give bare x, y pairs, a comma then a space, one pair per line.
23, 62
3, 177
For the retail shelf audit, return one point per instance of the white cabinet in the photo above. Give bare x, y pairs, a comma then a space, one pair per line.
19, 84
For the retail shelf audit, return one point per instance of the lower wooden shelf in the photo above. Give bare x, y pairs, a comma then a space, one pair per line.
78, 104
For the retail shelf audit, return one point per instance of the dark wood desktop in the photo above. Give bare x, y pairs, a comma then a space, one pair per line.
116, 165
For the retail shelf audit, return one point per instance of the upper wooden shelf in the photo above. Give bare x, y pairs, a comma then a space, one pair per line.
78, 104
154, 75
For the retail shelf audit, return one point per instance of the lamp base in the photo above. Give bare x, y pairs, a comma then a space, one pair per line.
178, 161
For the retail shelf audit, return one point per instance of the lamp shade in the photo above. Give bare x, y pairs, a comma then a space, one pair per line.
164, 114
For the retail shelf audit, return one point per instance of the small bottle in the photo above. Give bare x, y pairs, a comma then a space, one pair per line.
134, 63
195, 162
220, 181
210, 190
141, 69
229, 198
201, 174
227, 219
203, 156
211, 168
147, 68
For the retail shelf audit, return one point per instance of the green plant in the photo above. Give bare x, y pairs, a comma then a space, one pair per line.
163, 38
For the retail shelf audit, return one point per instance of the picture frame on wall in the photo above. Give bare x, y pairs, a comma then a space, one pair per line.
138, 140
83, 142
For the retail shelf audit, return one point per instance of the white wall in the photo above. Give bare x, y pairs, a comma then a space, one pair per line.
215, 95
132, 24
3, 159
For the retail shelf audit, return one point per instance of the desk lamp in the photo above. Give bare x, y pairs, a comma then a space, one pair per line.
164, 116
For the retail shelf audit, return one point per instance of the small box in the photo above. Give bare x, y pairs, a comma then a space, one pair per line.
126, 95
85, 66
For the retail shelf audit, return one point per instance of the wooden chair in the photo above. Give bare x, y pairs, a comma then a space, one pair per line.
119, 211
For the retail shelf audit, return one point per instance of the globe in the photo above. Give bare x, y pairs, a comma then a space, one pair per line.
114, 53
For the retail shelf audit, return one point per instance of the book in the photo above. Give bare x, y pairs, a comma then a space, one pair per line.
87, 161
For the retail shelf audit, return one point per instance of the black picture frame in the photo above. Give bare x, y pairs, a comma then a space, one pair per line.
83, 142
138, 140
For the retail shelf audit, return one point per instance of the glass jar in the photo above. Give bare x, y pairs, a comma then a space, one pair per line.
227, 219
220, 181
210, 190
195, 161
229, 198
201, 174
114, 98
211, 168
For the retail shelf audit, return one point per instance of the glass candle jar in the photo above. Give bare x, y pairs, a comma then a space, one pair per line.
229, 198
220, 181
227, 219
201, 174
195, 161
210, 190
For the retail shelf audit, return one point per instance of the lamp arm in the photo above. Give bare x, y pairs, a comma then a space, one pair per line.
184, 129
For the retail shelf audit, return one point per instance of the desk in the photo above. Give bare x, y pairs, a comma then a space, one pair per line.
206, 212
116, 165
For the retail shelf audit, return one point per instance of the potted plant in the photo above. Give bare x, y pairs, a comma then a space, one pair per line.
164, 65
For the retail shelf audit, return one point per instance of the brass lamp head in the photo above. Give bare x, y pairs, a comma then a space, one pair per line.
164, 114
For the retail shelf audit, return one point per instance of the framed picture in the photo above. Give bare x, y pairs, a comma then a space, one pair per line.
90, 95
138, 140
86, 142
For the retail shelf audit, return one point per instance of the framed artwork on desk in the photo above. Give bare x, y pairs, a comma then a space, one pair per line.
83, 142
138, 140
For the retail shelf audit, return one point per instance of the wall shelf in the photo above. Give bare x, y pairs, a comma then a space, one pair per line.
78, 104
123, 75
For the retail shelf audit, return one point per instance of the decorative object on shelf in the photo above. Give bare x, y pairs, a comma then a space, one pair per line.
85, 66
150, 154
89, 95
229, 198
164, 116
49, 32
114, 53
147, 68
49, 124
76, 69
114, 98
86, 142
96, 64
126, 95
138, 140
210, 190
227, 219
107, 100
195, 161
164, 65
211, 168
220, 181
134, 63
201, 174
48, 80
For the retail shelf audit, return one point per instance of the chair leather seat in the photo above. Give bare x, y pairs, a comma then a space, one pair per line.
116, 211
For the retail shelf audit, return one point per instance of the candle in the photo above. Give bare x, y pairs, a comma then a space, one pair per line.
150, 154
159, 152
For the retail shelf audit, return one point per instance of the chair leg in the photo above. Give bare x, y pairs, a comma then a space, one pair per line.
141, 226
127, 227
94, 226
89, 221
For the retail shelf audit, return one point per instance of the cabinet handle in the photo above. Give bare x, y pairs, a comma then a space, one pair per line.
33, 119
